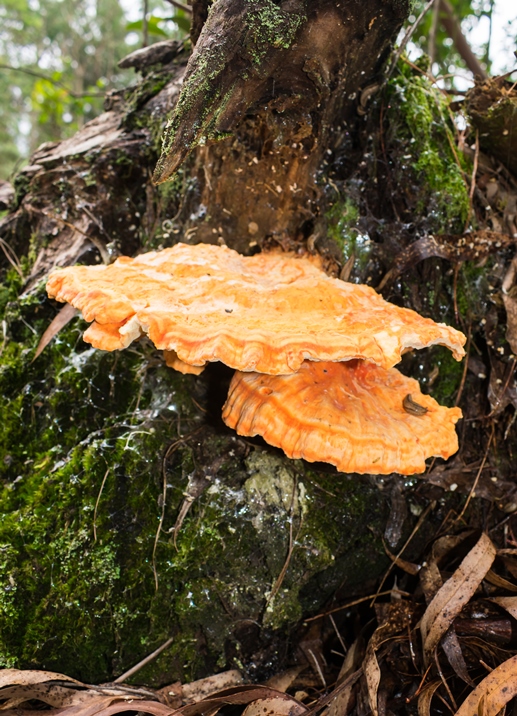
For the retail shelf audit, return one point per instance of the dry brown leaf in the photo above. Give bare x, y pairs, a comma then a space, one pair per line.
57, 691
430, 577
510, 304
496, 689
352, 661
354, 656
282, 681
430, 580
500, 582
176, 695
455, 593
372, 673
9, 677
396, 616
275, 706
340, 705
508, 603
451, 646
64, 316
153, 708
408, 567
426, 696
200, 689
238, 695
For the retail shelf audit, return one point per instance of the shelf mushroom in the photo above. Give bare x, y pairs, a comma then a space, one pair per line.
355, 415
314, 355
266, 313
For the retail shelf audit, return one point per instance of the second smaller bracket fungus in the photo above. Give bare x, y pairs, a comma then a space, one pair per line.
266, 313
349, 414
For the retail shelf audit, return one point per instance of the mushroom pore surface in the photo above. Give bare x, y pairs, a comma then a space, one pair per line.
350, 414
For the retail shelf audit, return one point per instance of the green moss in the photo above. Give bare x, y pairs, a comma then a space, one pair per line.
473, 290
445, 387
136, 96
21, 187
270, 27
428, 166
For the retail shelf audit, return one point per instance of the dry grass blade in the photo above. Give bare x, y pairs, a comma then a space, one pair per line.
64, 316
11, 257
491, 695
455, 593
426, 696
134, 669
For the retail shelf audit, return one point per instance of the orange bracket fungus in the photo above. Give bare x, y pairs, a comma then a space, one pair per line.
355, 415
266, 313
314, 354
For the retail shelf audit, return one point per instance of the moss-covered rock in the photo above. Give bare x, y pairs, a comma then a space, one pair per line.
129, 514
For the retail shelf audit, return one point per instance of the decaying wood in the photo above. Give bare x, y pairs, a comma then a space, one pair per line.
283, 81
276, 84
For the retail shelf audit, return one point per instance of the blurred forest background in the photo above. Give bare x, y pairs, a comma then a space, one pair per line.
58, 58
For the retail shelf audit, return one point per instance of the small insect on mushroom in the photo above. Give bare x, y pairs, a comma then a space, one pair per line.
412, 407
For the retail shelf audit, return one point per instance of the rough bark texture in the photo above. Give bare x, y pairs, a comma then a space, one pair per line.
283, 80
492, 107
153, 519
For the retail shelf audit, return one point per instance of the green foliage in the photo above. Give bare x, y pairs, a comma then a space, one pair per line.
66, 54
158, 27
59, 61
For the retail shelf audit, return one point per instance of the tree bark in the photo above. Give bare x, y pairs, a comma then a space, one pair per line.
268, 100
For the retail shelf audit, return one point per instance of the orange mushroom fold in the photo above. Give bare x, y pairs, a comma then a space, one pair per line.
266, 313
355, 415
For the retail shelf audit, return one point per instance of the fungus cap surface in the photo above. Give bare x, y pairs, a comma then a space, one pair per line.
265, 313
351, 415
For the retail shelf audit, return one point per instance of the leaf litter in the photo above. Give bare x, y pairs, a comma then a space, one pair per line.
447, 646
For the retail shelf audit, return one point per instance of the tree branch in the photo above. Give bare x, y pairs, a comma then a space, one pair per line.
56, 83
452, 27
180, 6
